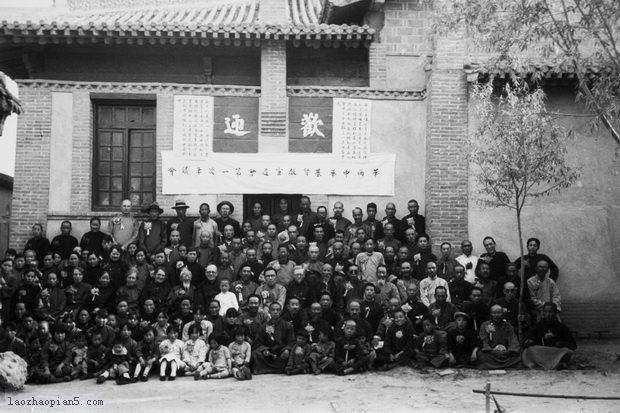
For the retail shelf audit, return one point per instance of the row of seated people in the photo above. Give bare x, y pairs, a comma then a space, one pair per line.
99, 283
126, 348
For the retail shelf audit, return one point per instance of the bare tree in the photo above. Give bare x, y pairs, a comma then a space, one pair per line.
517, 152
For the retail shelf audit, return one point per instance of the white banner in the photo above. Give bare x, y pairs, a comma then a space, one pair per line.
351, 128
291, 173
192, 134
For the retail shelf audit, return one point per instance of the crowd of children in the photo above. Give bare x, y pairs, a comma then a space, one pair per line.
293, 293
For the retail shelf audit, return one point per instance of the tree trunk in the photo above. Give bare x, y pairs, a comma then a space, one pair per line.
521, 276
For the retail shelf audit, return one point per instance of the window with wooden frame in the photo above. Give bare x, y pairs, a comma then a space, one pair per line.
124, 156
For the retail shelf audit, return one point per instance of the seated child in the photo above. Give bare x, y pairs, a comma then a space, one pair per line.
147, 355
96, 355
118, 366
353, 353
463, 342
129, 343
298, 359
12, 343
79, 353
432, 346
241, 353
398, 348
171, 351
56, 358
194, 350
219, 362
322, 354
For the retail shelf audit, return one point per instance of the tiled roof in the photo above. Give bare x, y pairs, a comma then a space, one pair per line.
230, 21
557, 68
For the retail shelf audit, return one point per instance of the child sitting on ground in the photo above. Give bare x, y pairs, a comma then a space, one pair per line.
219, 362
118, 367
298, 359
241, 352
79, 354
194, 350
322, 354
432, 346
171, 350
147, 355
96, 356
353, 354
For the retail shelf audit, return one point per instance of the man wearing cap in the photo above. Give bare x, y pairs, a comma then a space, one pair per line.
181, 223
152, 234
124, 227
225, 209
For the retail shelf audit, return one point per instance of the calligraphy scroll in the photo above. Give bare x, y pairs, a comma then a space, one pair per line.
310, 124
235, 124
282, 173
351, 135
192, 134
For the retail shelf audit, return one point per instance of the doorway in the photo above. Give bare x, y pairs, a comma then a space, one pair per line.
270, 203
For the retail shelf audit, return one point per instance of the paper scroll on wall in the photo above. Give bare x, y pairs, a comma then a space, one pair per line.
192, 135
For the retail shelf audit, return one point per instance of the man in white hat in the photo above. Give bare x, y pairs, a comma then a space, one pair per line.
181, 223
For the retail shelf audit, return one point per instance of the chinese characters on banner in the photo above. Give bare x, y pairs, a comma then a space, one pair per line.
310, 124
235, 129
351, 132
192, 135
283, 173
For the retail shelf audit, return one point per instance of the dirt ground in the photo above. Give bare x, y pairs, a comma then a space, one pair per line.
596, 373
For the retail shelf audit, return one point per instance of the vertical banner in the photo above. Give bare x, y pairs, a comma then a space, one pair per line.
310, 124
192, 134
235, 128
351, 132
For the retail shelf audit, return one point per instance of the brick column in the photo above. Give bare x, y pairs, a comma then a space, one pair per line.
446, 144
273, 135
32, 164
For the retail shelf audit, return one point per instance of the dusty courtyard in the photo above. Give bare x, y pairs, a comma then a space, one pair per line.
400, 390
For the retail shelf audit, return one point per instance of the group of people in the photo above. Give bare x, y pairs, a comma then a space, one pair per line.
290, 293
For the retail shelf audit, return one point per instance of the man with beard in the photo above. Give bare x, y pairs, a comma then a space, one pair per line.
316, 323
253, 317
300, 288
364, 329
273, 343
551, 343
414, 309
442, 312
477, 310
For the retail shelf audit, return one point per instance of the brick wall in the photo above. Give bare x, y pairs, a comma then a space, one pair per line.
273, 100
377, 65
81, 170
446, 144
406, 25
30, 193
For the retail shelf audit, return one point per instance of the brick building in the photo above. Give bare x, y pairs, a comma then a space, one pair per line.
104, 84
